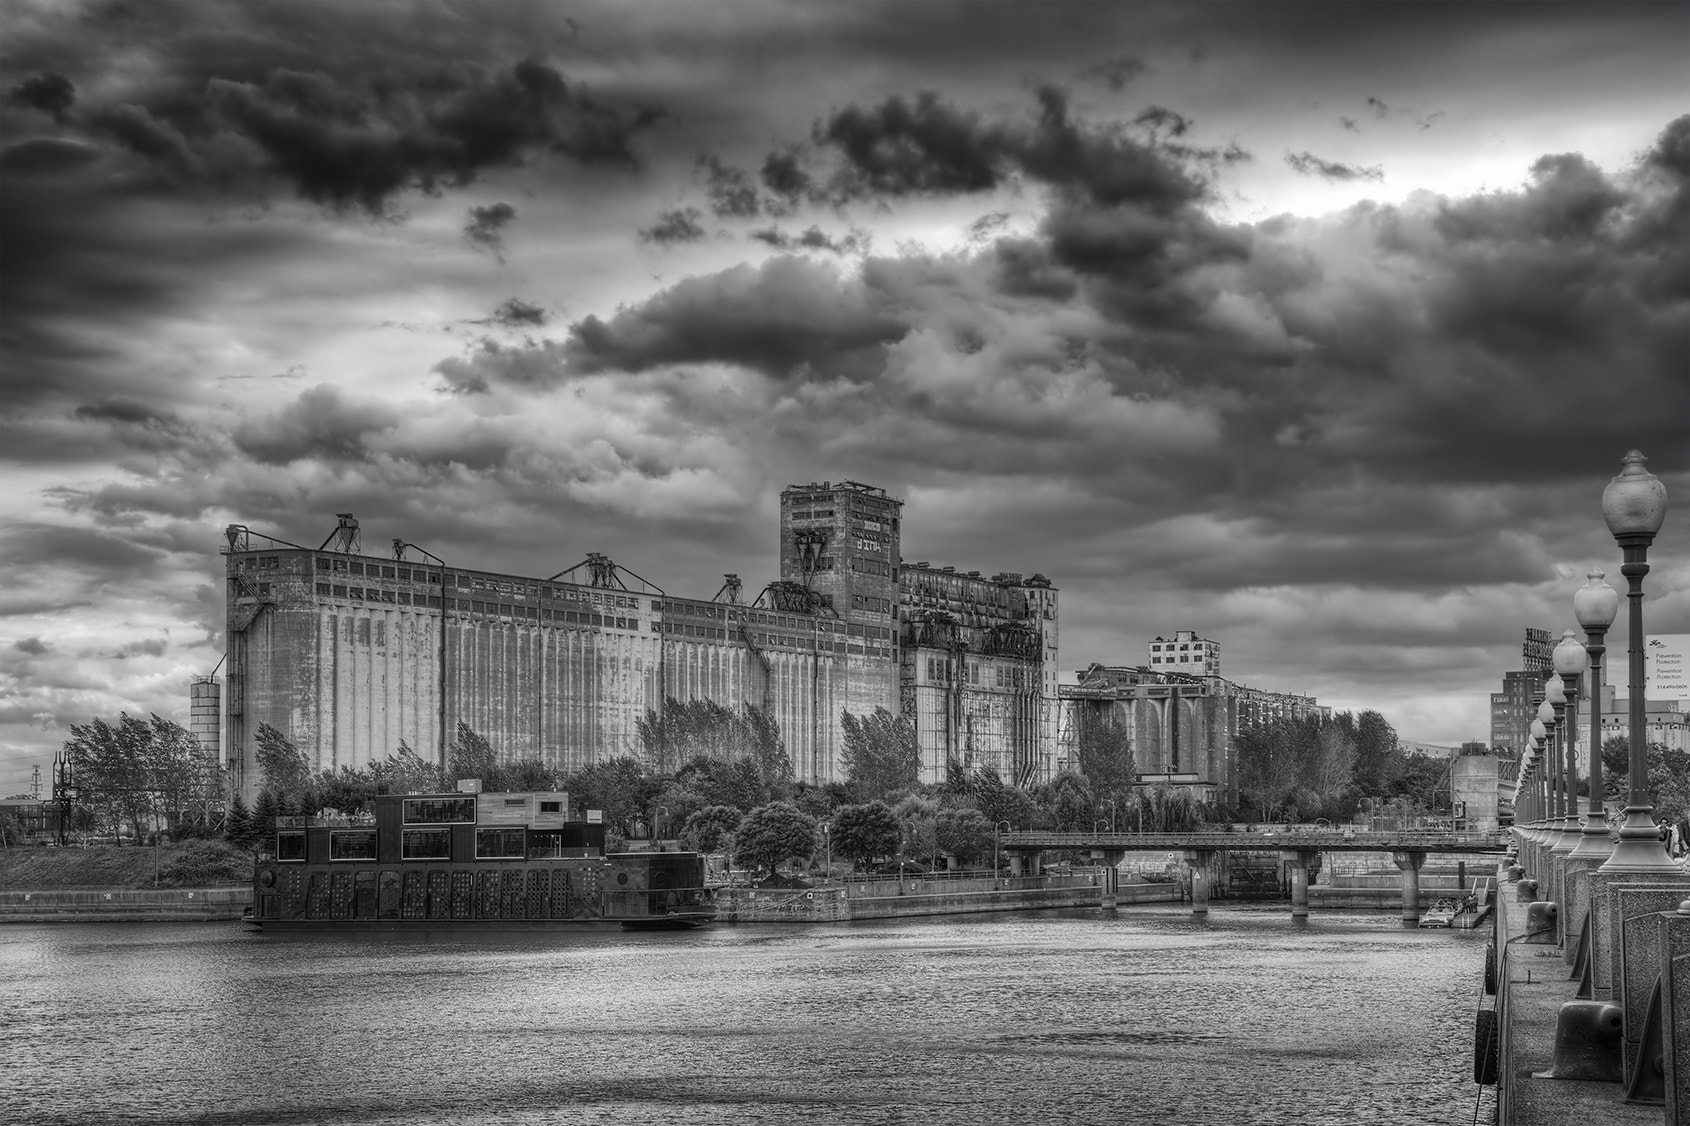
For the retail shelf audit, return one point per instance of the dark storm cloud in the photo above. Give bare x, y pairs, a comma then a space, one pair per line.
514, 312
927, 146
786, 312
34, 545
1117, 72
52, 94
34, 646
138, 130
349, 144
811, 238
322, 423
673, 227
46, 156
729, 190
1311, 165
783, 174
486, 227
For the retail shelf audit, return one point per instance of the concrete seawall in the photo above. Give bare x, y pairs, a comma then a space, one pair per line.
124, 905
894, 899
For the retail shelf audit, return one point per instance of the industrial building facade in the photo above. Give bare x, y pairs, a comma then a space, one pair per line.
349, 655
1183, 728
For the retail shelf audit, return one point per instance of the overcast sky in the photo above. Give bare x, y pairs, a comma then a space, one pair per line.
1314, 328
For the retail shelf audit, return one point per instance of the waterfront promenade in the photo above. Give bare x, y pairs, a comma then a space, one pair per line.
1591, 1005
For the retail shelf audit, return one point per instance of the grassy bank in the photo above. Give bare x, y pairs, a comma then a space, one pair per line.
188, 864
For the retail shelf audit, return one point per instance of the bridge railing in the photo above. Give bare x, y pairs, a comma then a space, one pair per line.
1212, 839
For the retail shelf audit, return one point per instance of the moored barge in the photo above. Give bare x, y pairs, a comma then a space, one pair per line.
493, 861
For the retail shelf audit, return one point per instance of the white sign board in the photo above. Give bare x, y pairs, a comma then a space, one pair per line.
1666, 667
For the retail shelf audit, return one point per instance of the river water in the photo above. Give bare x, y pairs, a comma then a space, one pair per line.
1040, 1017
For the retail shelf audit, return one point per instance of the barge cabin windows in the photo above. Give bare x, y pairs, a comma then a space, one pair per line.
352, 844
426, 844
290, 846
499, 844
440, 811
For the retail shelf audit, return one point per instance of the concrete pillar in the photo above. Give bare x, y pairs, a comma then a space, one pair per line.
1299, 865
1410, 863
1111, 888
1198, 861
1017, 864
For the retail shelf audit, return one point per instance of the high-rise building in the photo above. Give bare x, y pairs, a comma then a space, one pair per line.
350, 655
1513, 709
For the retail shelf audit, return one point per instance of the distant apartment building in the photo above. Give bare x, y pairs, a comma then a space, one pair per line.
348, 654
1514, 708
1183, 727
1185, 653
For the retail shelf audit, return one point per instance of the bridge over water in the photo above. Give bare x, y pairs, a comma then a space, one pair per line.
1297, 849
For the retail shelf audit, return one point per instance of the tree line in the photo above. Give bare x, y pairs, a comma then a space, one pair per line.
141, 775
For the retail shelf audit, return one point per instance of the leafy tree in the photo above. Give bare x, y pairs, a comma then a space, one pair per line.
1105, 752
820, 801
471, 756
617, 786
918, 813
1162, 808
1271, 758
1668, 776
406, 772
865, 833
772, 833
998, 802
1378, 755
110, 765
12, 832
704, 729
707, 829
737, 782
881, 754
964, 834
285, 769
1332, 775
1070, 805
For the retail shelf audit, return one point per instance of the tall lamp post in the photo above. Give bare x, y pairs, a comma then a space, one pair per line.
1594, 605
1111, 802
1549, 715
1634, 504
827, 845
399, 547
1569, 660
1540, 779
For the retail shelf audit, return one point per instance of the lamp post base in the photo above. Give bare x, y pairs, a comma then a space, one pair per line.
1640, 848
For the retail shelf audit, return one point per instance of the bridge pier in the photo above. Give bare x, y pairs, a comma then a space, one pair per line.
1023, 862
1111, 889
1301, 865
1199, 861
1410, 863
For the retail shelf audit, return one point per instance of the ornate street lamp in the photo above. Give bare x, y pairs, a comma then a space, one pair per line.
1550, 716
1539, 795
1634, 504
1570, 661
1594, 605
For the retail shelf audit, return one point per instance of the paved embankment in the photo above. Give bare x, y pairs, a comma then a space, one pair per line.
174, 905
895, 899
1532, 984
